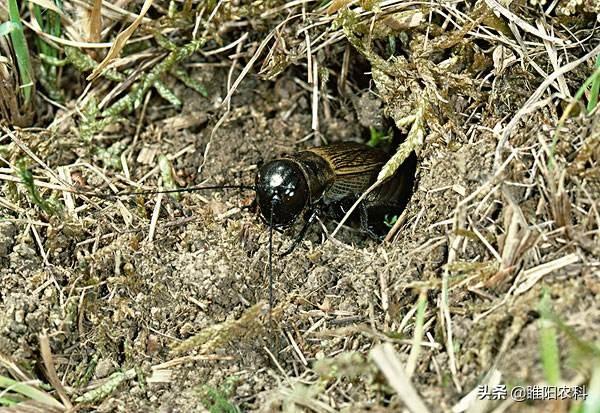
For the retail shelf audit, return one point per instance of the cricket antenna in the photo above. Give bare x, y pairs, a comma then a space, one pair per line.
187, 189
270, 266
162, 191
275, 344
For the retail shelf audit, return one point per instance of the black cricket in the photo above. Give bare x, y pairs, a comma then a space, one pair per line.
328, 180
321, 181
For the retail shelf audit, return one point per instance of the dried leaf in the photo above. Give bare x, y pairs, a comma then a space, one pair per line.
120, 41
337, 5
95, 22
404, 20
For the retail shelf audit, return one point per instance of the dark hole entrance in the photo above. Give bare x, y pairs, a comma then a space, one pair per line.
387, 202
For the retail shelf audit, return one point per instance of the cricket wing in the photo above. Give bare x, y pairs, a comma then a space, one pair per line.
350, 158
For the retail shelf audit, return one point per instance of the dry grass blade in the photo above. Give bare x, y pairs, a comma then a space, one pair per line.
12, 367
13, 136
411, 363
51, 371
50, 5
227, 100
120, 41
494, 5
533, 275
387, 360
62, 41
297, 397
471, 402
95, 22
535, 96
154, 220
31, 406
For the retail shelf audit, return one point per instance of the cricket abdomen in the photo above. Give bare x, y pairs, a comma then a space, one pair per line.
389, 199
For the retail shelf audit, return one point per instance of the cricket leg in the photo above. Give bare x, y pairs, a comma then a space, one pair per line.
309, 218
252, 207
364, 222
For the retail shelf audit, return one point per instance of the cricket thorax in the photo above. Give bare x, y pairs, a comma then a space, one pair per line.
318, 172
282, 192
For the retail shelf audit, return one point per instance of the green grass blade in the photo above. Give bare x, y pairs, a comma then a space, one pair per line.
55, 20
592, 80
19, 43
595, 88
549, 352
189, 81
6, 401
110, 385
592, 403
411, 364
29, 391
7, 28
27, 179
